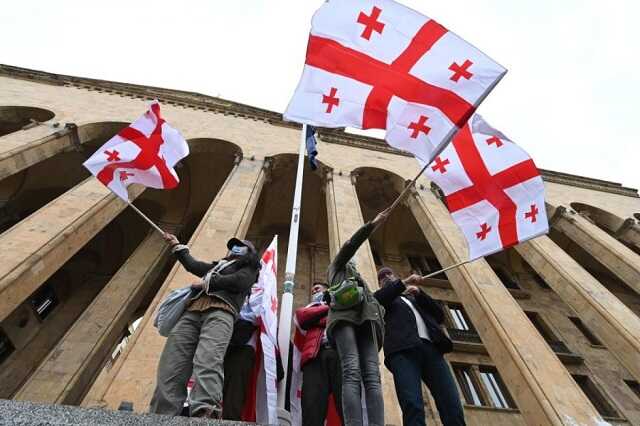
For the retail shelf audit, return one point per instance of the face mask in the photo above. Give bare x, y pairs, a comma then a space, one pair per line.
239, 250
317, 298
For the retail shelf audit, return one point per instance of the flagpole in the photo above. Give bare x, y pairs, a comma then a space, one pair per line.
156, 227
286, 305
456, 265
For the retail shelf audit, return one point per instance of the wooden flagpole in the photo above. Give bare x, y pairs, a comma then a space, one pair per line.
156, 227
455, 265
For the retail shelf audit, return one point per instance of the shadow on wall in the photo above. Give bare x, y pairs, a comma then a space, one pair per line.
14, 118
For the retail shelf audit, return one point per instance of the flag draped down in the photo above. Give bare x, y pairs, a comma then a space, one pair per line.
262, 399
492, 188
145, 152
378, 64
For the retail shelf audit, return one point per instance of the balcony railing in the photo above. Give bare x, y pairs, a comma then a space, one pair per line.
466, 336
564, 353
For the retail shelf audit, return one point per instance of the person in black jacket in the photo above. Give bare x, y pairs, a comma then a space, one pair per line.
414, 346
199, 340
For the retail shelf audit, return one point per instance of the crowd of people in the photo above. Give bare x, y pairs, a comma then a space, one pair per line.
346, 325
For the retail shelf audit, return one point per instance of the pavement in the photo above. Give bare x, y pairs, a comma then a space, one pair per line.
29, 413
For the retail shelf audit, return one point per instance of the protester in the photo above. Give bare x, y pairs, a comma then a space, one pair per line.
238, 363
414, 346
321, 374
357, 333
199, 340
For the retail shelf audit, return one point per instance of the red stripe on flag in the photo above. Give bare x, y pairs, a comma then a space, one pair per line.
335, 58
378, 100
485, 187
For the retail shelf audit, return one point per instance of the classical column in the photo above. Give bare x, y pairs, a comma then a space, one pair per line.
133, 376
39, 245
345, 218
22, 149
615, 256
629, 232
615, 324
540, 384
69, 369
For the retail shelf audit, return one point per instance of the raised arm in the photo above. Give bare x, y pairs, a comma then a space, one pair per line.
387, 294
181, 252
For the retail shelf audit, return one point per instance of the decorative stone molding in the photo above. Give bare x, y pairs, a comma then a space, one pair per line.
199, 102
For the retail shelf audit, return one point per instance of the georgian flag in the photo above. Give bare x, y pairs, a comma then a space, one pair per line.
145, 152
492, 188
261, 404
378, 64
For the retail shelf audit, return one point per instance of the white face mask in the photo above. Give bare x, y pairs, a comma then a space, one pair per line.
317, 298
239, 250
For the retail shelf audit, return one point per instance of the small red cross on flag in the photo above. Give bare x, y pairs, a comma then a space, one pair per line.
145, 152
496, 196
376, 64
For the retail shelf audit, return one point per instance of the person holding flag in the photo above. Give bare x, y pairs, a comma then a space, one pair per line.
355, 326
198, 342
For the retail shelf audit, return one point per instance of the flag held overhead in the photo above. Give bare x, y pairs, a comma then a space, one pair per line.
144, 152
492, 188
378, 64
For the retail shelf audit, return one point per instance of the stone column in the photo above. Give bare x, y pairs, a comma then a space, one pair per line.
39, 245
540, 384
615, 256
70, 368
133, 376
629, 232
601, 311
22, 149
345, 218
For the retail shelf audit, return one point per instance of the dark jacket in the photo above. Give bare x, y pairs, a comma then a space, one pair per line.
370, 310
401, 330
232, 284
312, 319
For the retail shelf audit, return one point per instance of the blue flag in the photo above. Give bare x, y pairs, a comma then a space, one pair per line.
310, 138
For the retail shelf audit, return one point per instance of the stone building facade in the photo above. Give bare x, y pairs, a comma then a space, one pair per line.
545, 333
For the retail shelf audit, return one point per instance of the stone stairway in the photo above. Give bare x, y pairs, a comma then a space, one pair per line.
29, 413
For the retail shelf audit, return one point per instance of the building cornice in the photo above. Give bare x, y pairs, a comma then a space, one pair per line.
216, 105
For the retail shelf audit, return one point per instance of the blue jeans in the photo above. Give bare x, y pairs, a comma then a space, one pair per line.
427, 363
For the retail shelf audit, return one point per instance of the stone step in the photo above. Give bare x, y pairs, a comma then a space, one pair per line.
29, 413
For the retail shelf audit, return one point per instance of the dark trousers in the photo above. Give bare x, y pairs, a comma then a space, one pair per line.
427, 363
320, 377
238, 367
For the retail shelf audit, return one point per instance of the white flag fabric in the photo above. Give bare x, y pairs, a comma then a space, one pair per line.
264, 299
379, 64
492, 188
145, 152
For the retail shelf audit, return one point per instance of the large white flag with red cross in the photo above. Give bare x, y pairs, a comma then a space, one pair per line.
145, 152
378, 64
493, 189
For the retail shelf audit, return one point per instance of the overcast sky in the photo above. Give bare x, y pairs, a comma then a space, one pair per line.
570, 97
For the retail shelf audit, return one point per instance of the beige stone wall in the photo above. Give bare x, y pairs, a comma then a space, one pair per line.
258, 140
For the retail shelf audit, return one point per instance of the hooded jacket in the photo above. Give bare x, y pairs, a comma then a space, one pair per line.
339, 270
232, 284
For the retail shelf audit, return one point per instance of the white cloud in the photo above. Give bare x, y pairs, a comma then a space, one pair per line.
569, 97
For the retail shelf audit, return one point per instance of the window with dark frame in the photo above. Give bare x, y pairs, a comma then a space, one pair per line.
540, 281
506, 280
468, 385
459, 318
634, 386
426, 265
498, 392
43, 301
540, 325
585, 331
595, 396
6, 347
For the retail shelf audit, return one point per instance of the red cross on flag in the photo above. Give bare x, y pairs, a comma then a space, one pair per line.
145, 152
378, 64
493, 189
